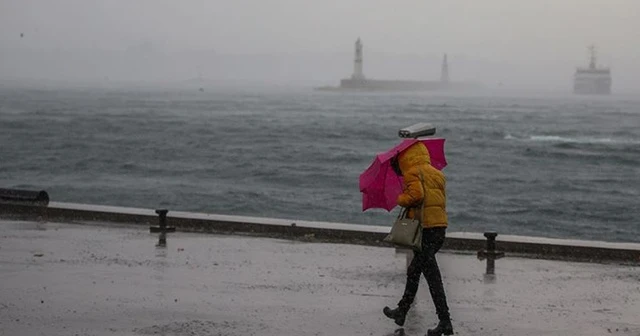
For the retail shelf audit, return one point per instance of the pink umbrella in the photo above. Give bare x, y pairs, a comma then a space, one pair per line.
379, 184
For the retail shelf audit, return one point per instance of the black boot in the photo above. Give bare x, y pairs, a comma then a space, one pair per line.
398, 315
444, 327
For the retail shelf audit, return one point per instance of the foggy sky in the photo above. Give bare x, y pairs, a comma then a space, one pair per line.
512, 41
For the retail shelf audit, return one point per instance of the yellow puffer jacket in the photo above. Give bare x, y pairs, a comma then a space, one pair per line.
414, 161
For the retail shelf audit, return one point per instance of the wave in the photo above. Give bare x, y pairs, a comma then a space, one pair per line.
574, 140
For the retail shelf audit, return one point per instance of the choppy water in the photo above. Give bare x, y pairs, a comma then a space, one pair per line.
557, 167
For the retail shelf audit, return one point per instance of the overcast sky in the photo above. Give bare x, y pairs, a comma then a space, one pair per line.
539, 33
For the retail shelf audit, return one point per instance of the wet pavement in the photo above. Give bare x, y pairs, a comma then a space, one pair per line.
69, 279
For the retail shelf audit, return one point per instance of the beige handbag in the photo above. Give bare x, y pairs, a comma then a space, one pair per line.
407, 232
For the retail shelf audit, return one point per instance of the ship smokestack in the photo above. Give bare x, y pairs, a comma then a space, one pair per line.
592, 57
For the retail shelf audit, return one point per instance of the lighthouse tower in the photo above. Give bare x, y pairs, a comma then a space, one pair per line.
444, 71
357, 63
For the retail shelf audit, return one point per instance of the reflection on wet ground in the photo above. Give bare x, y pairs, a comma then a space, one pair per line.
65, 279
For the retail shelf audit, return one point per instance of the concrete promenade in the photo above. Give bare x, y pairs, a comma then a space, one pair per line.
70, 279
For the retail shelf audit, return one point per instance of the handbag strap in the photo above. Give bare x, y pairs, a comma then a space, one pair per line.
403, 213
424, 199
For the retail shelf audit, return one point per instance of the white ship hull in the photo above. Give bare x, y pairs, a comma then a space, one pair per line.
592, 83
593, 79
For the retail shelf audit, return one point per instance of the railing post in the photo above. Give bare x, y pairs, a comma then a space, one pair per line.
162, 227
490, 252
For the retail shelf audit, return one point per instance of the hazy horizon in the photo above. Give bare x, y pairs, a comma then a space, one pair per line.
528, 45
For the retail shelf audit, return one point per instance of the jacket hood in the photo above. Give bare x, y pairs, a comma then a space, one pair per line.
416, 155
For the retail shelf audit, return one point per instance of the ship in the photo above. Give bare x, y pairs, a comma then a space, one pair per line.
592, 80
358, 81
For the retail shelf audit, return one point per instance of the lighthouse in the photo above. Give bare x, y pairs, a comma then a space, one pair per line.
357, 62
444, 71
358, 82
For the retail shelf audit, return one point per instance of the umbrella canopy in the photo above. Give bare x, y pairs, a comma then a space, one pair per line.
379, 184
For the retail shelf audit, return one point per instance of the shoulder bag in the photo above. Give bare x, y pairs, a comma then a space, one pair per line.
407, 232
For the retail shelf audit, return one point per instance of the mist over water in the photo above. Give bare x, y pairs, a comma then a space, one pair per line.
560, 166
529, 45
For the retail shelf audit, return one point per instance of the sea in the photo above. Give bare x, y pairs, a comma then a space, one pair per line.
540, 165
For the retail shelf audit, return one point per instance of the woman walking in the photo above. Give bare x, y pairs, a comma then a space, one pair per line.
421, 181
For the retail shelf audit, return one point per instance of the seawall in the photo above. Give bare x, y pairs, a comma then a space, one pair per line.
403, 85
533, 247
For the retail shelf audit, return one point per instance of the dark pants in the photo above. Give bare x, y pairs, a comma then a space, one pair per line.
424, 262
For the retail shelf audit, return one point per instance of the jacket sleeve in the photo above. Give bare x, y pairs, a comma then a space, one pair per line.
413, 192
